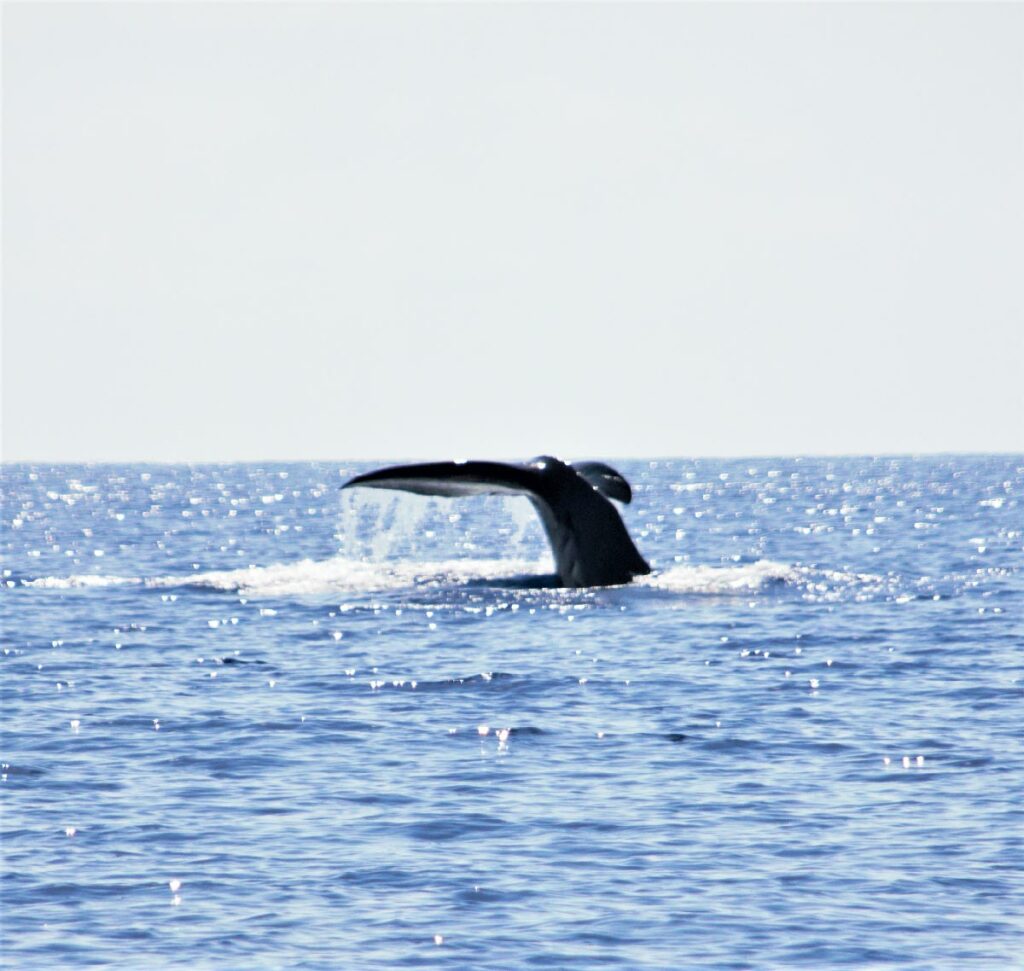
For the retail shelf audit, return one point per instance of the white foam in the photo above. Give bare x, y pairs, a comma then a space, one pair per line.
723, 579
341, 575
314, 577
81, 580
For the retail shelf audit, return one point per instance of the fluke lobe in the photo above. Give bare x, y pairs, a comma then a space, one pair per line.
590, 543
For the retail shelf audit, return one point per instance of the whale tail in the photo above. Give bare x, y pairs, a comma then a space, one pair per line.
589, 541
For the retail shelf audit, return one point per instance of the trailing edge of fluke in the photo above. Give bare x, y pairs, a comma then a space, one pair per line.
590, 543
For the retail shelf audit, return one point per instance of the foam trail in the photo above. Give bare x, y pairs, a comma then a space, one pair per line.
313, 577
81, 580
342, 575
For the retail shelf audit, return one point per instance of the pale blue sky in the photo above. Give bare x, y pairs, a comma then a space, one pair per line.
284, 231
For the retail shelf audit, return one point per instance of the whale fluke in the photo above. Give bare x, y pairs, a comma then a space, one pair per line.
588, 538
605, 479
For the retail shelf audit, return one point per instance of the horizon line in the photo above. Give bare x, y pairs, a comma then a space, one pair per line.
1008, 453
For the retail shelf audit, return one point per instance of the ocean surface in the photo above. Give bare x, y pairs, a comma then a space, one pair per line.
252, 722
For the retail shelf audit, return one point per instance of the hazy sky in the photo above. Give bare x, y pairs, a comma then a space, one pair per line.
242, 231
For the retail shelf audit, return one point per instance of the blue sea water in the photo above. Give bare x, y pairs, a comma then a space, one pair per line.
250, 722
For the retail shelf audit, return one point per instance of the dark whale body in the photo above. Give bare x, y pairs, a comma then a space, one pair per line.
588, 538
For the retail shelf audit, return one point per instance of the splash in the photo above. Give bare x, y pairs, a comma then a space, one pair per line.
381, 527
